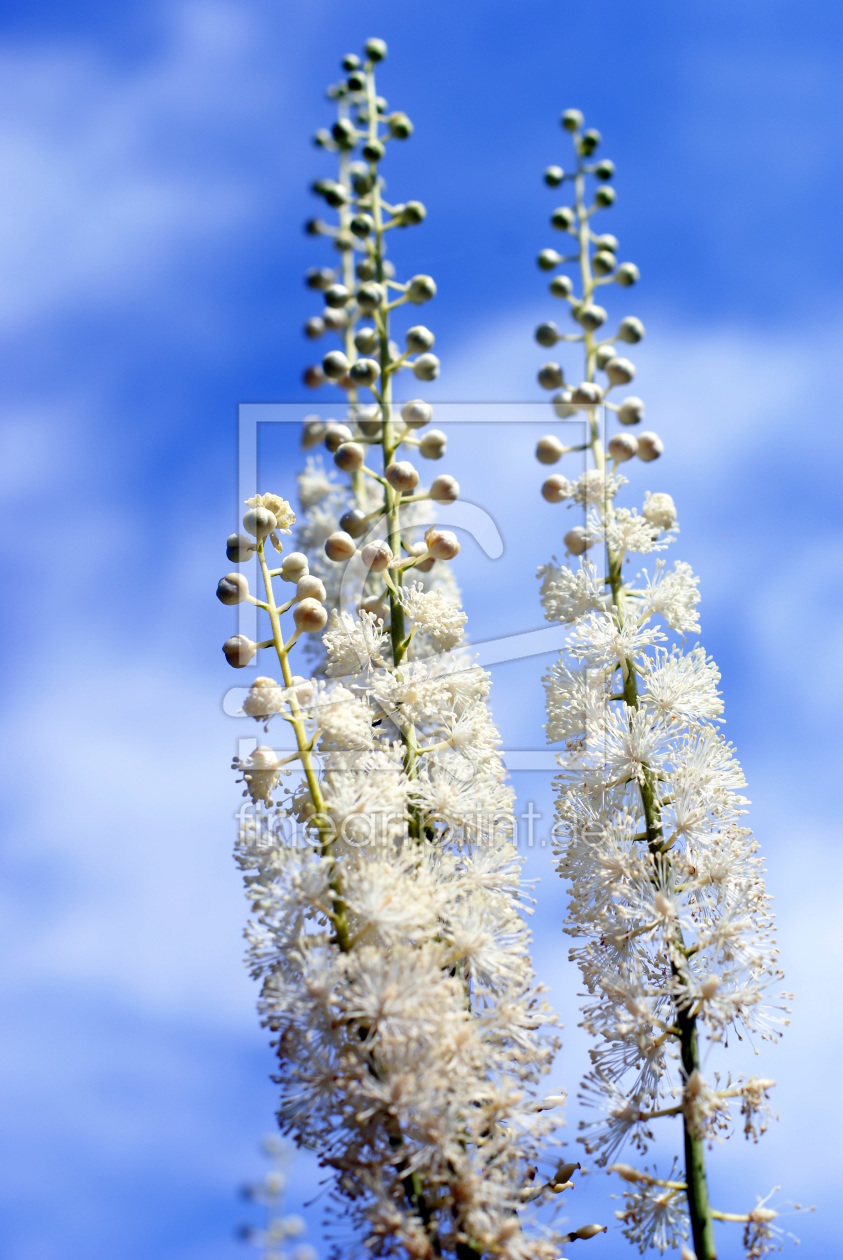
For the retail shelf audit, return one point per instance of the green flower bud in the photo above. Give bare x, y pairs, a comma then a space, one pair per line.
375, 49
373, 150
620, 371
294, 566
335, 365
239, 650
412, 213
550, 376
335, 435
310, 616
364, 371
349, 456
344, 133
604, 169
549, 450
426, 367
553, 176
631, 411
421, 289
589, 142
370, 296
561, 286
337, 295
320, 277
259, 522
630, 330
548, 259
444, 489
366, 340
547, 334
608, 242
605, 195
590, 317
604, 262
627, 274
399, 126
419, 339
572, 119
432, 445
239, 548
416, 414
563, 218
314, 327
362, 225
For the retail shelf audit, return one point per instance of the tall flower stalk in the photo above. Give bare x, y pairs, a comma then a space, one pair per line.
388, 926
673, 929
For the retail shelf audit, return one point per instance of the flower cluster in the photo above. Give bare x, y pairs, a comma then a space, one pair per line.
672, 924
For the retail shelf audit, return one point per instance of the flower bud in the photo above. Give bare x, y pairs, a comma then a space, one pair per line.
572, 119
549, 450
334, 318
605, 196
426, 367
370, 296
336, 434
375, 49
561, 286
650, 446
239, 650
563, 218
421, 289
335, 365
233, 588
547, 334
604, 355
411, 214
239, 548
365, 269
577, 540
622, 447
416, 413
313, 376
589, 1231
364, 371
354, 523
548, 259
603, 262
432, 445
259, 521
630, 330
310, 616
555, 489
589, 141
366, 340
362, 225
319, 277
313, 433
442, 543
550, 376
608, 242
628, 1173
376, 555
565, 1171
419, 339
400, 126
659, 509
373, 150
553, 176
587, 394
340, 546
604, 169
336, 295
356, 82
310, 587
631, 410
349, 457
589, 316
620, 371
294, 566
314, 327
402, 476
444, 489
344, 133
562, 404
627, 274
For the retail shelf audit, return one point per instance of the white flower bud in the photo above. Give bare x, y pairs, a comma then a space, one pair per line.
627, 274
311, 587
562, 404
444, 489
340, 546
335, 320
375, 49
587, 394
550, 376
432, 445
362, 225
349, 456
402, 476
604, 355
589, 1231
259, 521
630, 330
336, 295
631, 411
310, 616
314, 327
659, 509
319, 277
335, 365
547, 334
370, 296
589, 141
421, 289
426, 367
366, 340
608, 242
400, 126
563, 218
239, 650
622, 447
604, 169
416, 414
354, 522
561, 286
233, 588
549, 449
650, 446
364, 371
419, 339
603, 262
313, 433
553, 176
442, 543
336, 434
239, 548
620, 371
605, 196
590, 317
572, 119
555, 489
377, 556
294, 566
577, 540
548, 259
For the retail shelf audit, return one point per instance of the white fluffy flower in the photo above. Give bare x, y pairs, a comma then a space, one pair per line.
439, 618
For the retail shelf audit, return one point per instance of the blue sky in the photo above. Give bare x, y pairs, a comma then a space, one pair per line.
156, 163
